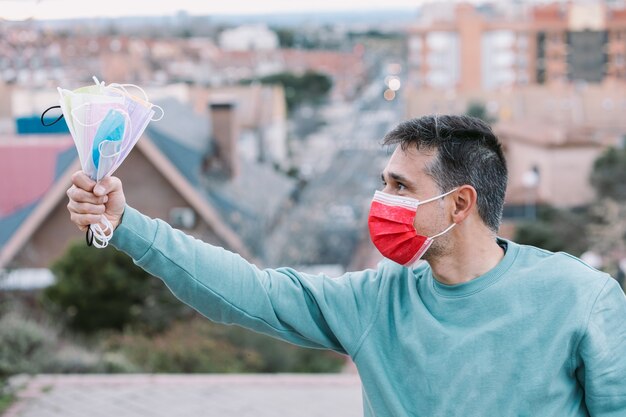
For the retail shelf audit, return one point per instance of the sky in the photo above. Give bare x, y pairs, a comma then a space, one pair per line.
61, 9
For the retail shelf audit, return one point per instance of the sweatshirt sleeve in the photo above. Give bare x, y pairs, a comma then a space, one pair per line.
308, 310
602, 354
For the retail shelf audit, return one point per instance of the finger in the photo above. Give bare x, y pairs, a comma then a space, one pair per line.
85, 208
107, 185
82, 181
81, 196
85, 219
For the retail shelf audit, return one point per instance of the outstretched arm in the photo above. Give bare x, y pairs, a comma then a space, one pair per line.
313, 311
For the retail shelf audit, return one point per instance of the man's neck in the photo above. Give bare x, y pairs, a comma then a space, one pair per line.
467, 261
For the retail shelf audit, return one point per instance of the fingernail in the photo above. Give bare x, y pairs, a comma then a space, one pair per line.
98, 189
105, 199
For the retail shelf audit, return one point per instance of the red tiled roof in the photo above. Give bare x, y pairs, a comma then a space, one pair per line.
27, 169
618, 15
547, 13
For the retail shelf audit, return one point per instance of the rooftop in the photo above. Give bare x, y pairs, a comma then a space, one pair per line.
29, 166
239, 395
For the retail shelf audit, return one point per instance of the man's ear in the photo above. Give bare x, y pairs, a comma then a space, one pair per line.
464, 202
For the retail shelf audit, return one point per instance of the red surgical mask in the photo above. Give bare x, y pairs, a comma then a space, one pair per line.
392, 231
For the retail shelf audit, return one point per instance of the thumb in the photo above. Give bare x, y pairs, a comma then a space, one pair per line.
107, 185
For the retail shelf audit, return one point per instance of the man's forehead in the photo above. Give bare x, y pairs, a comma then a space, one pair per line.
410, 161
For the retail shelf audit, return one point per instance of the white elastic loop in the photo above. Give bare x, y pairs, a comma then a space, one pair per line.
444, 232
102, 236
77, 120
123, 88
438, 197
126, 140
128, 133
162, 113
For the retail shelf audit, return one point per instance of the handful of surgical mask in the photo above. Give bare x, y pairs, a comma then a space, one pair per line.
105, 122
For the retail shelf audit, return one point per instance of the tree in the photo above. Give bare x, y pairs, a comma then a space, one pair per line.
599, 227
607, 229
198, 345
607, 225
100, 289
309, 88
286, 37
479, 110
555, 230
609, 172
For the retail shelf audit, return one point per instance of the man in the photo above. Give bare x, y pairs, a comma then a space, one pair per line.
485, 327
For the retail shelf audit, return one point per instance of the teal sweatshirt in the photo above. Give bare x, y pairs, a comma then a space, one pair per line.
541, 334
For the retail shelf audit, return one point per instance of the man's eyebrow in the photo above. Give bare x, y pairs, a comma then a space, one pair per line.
398, 178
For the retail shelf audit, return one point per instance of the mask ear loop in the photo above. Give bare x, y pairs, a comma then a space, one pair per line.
77, 120
89, 236
58, 118
127, 139
122, 87
154, 106
437, 197
444, 232
96, 235
100, 237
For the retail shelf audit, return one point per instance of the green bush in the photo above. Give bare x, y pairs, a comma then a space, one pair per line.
555, 230
6, 400
608, 174
73, 359
479, 110
198, 346
186, 347
98, 289
308, 88
28, 346
116, 363
25, 346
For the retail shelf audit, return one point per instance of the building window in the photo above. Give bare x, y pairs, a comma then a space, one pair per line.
555, 38
587, 55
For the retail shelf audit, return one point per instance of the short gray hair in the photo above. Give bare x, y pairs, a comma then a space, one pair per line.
468, 153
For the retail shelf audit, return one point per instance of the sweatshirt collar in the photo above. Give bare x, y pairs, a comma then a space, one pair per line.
479, 283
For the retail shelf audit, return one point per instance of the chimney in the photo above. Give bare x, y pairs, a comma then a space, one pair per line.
6, 99
226, 134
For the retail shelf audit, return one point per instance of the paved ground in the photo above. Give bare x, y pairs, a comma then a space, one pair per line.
284, 395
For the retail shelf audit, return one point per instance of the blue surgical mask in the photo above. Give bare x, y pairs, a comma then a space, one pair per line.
107, 142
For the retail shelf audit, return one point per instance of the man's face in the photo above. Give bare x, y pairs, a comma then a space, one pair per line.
406, 175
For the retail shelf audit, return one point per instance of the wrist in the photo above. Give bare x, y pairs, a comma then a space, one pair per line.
119, 219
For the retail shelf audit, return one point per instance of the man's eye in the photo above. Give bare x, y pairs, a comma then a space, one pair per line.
401, 187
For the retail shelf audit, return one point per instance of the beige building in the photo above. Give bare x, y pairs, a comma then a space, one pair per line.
557, 131
462, 47
592, 106
455, 47
550, 164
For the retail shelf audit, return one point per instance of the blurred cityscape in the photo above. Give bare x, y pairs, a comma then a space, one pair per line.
270, 144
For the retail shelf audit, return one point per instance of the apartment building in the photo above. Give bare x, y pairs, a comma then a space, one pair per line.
463, 47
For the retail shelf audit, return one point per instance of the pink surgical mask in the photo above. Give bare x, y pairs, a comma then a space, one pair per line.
392, 231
